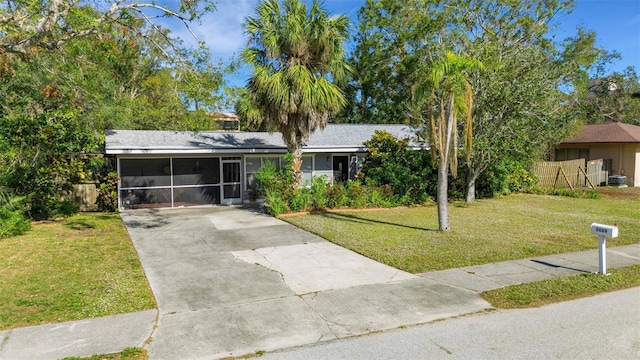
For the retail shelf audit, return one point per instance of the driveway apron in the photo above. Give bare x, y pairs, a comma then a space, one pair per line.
231, 281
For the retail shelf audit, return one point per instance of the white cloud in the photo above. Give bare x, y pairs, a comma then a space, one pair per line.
222, 30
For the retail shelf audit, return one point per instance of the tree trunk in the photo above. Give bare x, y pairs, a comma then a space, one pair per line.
443, 198
297, 165
443, 170
472, 176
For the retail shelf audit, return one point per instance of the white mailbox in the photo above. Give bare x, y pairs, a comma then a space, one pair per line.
603, 232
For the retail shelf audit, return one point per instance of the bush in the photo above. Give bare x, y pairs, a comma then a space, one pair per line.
12, 219
505, 178
275, 204
336, 196
407, 172
301, 200
356, 194
108, 192
277, 186
319, 192
576, 193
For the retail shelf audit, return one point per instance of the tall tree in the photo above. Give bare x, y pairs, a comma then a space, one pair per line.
297, 57
387, 59
449, 96
49, 24
69, 71
522, 95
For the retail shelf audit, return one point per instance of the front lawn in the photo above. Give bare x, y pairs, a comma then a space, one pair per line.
513, 227
81, 267
549, 291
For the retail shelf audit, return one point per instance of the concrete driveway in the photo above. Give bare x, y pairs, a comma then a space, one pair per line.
232, 281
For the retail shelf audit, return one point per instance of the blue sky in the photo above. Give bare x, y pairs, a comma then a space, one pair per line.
616, 22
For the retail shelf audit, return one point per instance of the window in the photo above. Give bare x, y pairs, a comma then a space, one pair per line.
254, 163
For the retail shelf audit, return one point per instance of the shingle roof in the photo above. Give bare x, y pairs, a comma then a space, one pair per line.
608, 133
335, 137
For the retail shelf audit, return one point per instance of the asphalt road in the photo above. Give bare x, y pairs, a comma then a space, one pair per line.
601, 327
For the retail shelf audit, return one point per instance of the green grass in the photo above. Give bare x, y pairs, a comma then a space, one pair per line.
131, 353
82, 267
563, 288
492, 230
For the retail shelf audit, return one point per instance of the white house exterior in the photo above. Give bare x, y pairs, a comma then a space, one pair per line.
176, 169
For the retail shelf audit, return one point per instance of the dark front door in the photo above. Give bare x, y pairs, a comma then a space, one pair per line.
340, 169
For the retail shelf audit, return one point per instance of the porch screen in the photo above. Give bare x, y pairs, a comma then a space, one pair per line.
169, 182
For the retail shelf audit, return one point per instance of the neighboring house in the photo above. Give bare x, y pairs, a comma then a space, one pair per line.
226, 121
174, 169
616, 143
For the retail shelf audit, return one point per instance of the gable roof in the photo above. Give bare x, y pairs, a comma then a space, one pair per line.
334, 138
609, 133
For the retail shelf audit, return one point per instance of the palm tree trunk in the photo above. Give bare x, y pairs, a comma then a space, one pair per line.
443, 170
472, 176
296, 151
442, 197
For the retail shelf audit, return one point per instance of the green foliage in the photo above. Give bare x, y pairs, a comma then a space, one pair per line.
277, 186
108, 192
12, 219
406, 172
337, 196
576, 193
297, 57
505, 178
131, 352
319, 191
275, 203
302, 200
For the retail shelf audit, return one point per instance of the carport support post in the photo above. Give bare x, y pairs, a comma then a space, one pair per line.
602, 259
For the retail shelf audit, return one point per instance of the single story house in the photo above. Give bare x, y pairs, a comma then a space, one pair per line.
618, 144
175, 169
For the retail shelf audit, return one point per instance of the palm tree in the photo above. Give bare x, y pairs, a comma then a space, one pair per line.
297, 57
450, 96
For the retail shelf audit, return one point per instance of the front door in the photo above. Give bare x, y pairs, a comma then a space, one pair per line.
231, 186
340, 169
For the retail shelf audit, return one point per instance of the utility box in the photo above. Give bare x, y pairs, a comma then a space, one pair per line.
617, 180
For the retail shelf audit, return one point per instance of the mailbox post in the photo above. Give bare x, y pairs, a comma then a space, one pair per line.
603, 231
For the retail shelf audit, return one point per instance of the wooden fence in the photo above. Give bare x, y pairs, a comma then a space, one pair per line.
571, 174
85, 196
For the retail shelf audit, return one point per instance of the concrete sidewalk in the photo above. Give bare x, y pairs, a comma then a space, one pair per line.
231, 282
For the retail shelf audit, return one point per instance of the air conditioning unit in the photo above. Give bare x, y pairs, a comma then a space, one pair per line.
617, 180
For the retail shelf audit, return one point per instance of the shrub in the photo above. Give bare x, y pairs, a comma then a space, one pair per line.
319, 192
275, 204
12, 219
65, 208
277, 186
406, 171
301, 200
380, 196
336, 196
576, 193
356, 195
505, 178
108, 192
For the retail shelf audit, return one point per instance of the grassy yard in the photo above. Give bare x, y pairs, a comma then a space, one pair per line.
544, 292
81, 267
507, 228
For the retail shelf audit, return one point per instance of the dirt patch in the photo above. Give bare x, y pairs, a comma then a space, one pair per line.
613, 193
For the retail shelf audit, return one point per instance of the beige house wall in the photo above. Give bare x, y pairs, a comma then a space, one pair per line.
625, 159
636, 170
